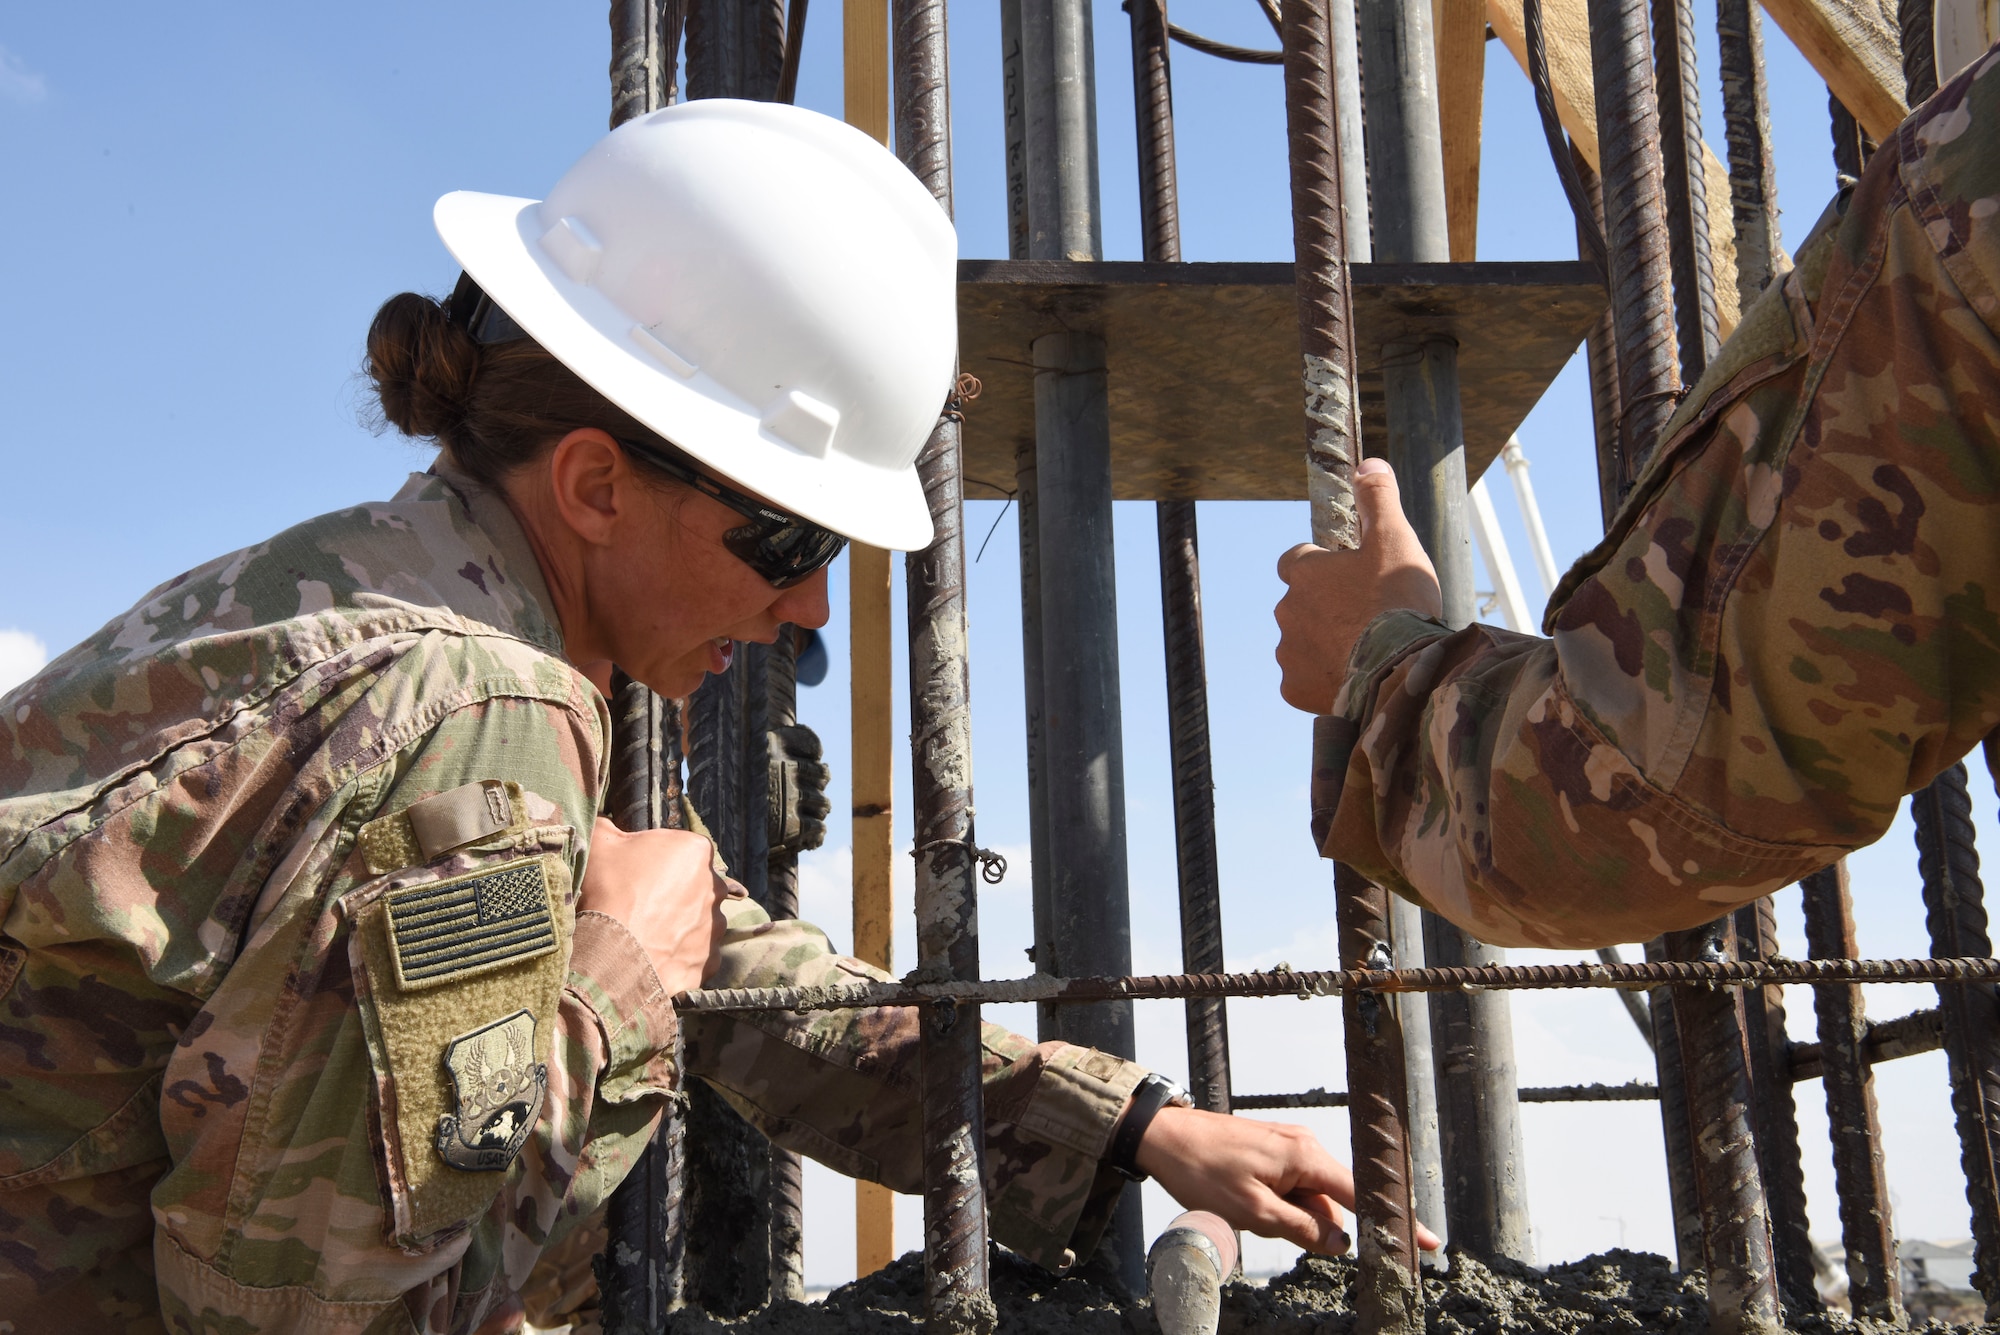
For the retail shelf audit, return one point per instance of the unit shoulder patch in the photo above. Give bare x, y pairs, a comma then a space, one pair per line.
500, 1087
466, 925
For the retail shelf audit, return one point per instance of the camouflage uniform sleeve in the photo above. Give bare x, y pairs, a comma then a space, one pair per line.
1791, 624
842, 1087
373, 1179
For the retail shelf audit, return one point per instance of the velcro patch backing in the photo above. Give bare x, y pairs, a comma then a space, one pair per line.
469, 924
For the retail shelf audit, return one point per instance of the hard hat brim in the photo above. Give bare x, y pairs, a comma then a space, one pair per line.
493, 238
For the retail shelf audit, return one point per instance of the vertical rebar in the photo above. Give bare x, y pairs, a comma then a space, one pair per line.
1735, 1219
1686, 190
1746, 118
1388, 1296
638, 57
1640, 280
1676, 1125
781, 900
1874, 1287
1180, 602
639, 1273
947, 888
1920, 81
1775, 1111
1955, 913
735, 48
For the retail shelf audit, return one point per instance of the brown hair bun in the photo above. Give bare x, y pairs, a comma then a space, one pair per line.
424, 366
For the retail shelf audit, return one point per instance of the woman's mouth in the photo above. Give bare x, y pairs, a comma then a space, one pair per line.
720, 650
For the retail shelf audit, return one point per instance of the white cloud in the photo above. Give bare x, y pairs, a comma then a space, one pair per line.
18, 83
21, 654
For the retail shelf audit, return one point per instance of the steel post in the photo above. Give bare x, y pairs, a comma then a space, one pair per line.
1088, 923
1635, 232
1955, 913
639, 1273
1472, 1037
1735, 1220
1180, 602
1775, 1114
947, 888
1874, 1287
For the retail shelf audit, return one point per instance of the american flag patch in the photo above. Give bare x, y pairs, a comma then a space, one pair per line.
470, 924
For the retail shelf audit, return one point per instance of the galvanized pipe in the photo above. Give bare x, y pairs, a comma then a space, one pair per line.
1955, 913
1635, 232
1736, 1225
1685, 173
1180, 601
1773, 1069
947, 885
1866, 1232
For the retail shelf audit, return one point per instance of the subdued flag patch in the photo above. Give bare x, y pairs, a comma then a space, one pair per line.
469, 924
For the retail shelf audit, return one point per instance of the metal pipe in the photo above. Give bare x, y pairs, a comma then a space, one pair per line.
1686, 192
1735, 1220
1866, 1232
1955, 914
1640, 277
1516, 461
1773, 1070
1406, 937
947, 886
1180, 601
1388, 1297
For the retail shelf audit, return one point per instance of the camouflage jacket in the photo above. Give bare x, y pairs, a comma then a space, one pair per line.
1793, 621
299, 1026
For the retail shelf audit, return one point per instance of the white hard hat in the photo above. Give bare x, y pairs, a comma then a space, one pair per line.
763, 286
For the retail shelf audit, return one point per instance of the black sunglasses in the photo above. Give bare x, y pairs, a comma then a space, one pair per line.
783, 548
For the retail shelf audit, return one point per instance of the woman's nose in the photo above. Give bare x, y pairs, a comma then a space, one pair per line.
804, 604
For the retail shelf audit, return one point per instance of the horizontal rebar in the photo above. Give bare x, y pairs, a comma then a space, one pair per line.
1905, 1036
1636, 1092
1333, 982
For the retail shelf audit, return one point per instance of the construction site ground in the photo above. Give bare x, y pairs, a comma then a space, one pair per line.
1614, 1291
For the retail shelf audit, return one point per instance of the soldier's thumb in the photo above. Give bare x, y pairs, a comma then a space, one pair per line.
1377, 499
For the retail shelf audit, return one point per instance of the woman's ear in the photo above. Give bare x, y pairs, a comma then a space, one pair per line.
591, 482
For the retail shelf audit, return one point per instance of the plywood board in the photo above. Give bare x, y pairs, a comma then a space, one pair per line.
1204, 361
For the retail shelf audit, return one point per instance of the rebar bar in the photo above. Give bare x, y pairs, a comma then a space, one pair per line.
1208, 46
1180, 600
1914, 18
1746, 118
1388, 1296
1905, 1036
794, 51
1307, 984
947, 883
1635, 231
1601, 359
1866, 1232
639, 1273
1683, 160
1635, 1092
1955, 914
1589, 231
1676, 1127
781, 900
1773, 1070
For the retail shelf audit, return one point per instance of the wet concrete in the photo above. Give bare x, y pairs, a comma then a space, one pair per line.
1608, 1294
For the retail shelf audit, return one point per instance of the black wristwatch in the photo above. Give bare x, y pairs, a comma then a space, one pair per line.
1152, 1094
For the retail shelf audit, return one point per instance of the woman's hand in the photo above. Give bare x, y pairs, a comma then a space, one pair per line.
662, 885
1273, 1179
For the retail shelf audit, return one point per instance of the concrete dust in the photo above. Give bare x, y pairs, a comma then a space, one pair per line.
1607, 1294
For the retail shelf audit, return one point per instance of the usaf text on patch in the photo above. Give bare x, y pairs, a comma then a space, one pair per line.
452, 929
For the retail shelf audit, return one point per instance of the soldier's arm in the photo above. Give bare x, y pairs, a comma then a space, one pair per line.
451, 1066
1794, 621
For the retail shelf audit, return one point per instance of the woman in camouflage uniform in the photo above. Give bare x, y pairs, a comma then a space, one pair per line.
331, 1003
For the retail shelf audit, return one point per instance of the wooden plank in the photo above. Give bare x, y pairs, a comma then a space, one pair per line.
1203, 390
865, 62
1566, 28
1857, 47
1458, 30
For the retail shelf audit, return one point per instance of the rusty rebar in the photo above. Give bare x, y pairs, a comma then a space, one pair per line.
947, 883
1746, 118
1601, 359
1635, 1092
639, 1274
1676, 1126
1866, 1232
794, 51
1914, 18
1589, 230
1319, 246
637, 58
1696, 320
1905, 1036
1635, 230
1773, 1069
1307, 984
1208, 46
1388, 1297
781, 900
1180, 600
1955, 913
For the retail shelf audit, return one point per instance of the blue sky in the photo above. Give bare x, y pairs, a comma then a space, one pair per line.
208, 209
